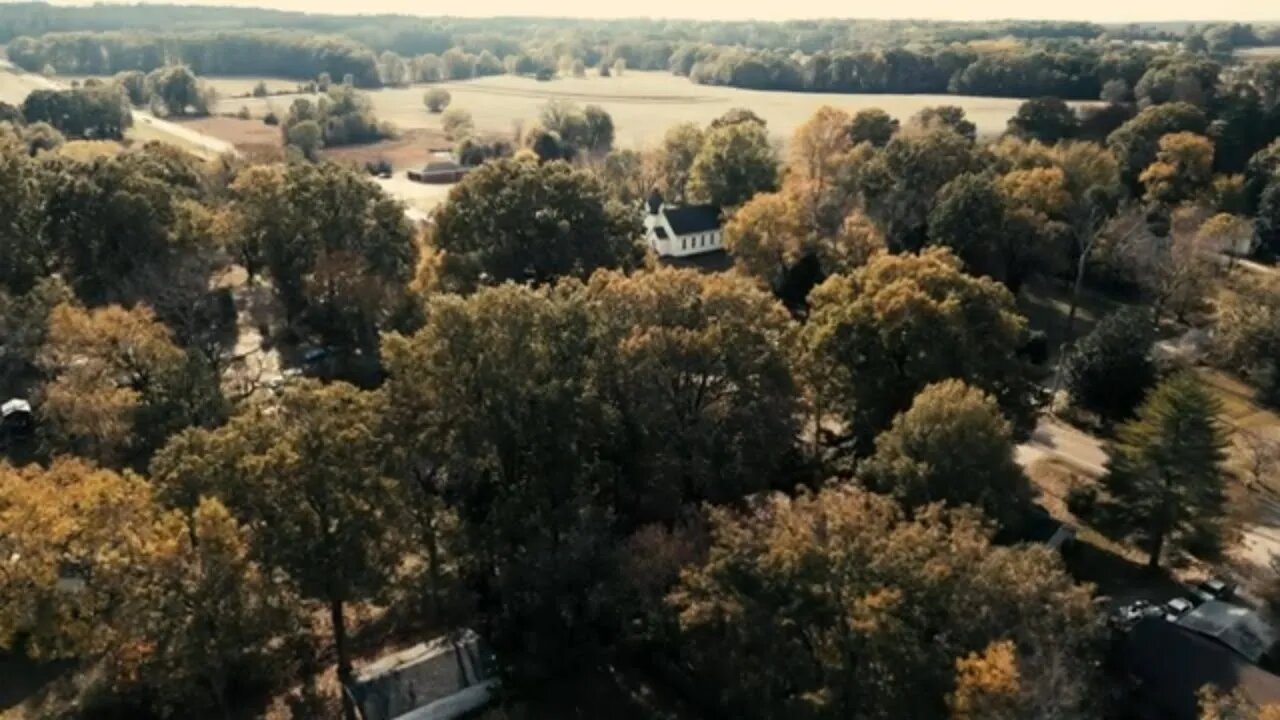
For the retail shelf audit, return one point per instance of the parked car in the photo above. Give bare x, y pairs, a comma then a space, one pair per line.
1218, 589
1176, 608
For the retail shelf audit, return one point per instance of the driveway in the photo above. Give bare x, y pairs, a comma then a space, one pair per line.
1053, 438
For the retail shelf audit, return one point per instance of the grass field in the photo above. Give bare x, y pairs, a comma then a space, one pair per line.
1259, 54
643, 104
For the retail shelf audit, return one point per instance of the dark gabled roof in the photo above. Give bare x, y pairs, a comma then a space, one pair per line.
689, 219
1173, 663
661, 232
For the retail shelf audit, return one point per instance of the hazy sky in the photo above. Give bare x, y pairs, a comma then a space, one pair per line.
1092, 10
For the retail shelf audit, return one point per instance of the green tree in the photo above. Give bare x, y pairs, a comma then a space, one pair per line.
1166, 472
525, 221
878, 336
310, 479
496, 388
177, 91
827, 606
970, 218
900, 184
338, 251
734, 163
597, 138
873, 126
307, 137
1266, 225
28, 254
1045, 119
951, 446
1110, 370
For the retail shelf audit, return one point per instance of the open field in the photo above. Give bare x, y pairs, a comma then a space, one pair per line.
1259, 54
643, 104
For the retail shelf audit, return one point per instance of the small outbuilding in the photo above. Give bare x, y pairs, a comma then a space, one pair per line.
443, 679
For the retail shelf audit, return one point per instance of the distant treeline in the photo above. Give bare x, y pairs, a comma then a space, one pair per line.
234, 52
1070, 60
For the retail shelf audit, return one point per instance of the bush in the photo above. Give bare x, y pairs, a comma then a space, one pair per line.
270, 119
1082, 500
243, 113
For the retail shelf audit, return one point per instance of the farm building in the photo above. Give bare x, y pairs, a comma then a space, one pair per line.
682, 230
442, 168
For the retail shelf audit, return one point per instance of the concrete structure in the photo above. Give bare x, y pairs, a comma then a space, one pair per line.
682, 230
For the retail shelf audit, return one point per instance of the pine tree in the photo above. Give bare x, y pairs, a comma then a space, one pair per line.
1166, 470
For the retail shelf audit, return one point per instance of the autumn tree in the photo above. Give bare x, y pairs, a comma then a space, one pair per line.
989, 686
1110, 370
734, 163
1035, 242
878, 336
118, 384
1047, 120
827, 605
1136, 143
945, 117
951, 446
1166, 469
457, 123
821, 163
1183, 168
530, 222
1247, 333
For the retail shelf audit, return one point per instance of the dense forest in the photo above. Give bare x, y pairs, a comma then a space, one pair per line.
261, 428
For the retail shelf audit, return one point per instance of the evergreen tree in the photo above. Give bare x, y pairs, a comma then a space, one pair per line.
1166, 470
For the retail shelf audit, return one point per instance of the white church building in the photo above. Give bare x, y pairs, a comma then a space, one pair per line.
682, 230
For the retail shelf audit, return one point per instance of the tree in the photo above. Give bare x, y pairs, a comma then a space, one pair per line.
28, 254
766, 239
1183, 168
495, 388
826, 606
1048, 120
734, 163
821, 163
524, 221
338, 251
177, 91
1136, 143
85, 113
873, 126
970, 218
945, 117
1166, 471
951, 446
597, 137
1215, 705
1266, 225
457, 123
1037, 205
988, 686
1247, 333
307, 137
680, 147
437, 99
309, 478
1110, 371
694, 370
1261, 172
874, 340
900, 184
118, 385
